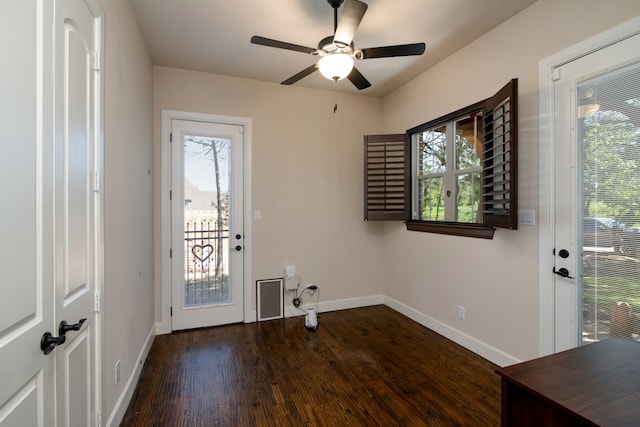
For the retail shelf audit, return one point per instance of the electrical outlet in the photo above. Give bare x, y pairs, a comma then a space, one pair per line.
461, 312
117, 372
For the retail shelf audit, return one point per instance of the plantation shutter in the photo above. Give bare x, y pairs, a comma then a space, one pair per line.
500, 160
387, 175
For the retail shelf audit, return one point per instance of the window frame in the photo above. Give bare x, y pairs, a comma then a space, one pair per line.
451, 172
504, 140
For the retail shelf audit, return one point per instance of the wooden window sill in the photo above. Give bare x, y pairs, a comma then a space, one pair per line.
452, 228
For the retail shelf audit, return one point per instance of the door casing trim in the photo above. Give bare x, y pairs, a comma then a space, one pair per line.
164, 326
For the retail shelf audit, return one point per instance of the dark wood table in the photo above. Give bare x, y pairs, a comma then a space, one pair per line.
593, 385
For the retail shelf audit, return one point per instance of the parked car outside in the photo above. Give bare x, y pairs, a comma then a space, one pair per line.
599, 232
631, 241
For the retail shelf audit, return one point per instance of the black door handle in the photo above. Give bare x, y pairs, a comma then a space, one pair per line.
65, 327
48, 342
562, 272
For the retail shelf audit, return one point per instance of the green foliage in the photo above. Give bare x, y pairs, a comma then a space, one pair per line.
434, 164
605, 290
611, 156
469, 193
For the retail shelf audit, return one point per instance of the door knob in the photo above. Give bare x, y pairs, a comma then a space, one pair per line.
238, 248
238, 236
65, 327
562, 272
49, 342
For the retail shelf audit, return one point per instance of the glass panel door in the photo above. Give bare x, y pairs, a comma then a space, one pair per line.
207, 224
609, 138
596, 195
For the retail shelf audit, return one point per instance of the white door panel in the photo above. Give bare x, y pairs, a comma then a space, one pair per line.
568, 203
76, 207
48, 218
207, 242
76, 358
24, 407
26, 312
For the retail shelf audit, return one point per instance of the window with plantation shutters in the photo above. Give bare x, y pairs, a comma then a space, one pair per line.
386, 177
464, 169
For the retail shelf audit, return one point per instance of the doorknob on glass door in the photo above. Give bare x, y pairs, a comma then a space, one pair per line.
238, 248
48, 342
65, 327
562, 272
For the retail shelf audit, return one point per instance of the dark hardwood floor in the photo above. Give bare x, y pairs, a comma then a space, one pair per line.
363, 367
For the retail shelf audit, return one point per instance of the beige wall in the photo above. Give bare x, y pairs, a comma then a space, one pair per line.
307, 181
128, 287
433, 274
307, 176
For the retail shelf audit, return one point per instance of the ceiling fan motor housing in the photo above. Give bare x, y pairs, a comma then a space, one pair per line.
326, 45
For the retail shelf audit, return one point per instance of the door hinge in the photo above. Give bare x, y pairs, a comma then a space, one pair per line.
96, 304
171, 311
96, 181
95, 61
170, 136
99, 419
170, 195
170, 252
241, 130
555, 74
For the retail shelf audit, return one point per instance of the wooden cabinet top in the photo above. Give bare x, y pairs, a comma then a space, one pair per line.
599, 382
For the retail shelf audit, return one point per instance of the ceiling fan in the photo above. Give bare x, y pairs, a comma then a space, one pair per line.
337, 52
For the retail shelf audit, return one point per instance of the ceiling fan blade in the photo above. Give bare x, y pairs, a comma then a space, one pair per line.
352, 14
390, 51
281, 45
302, 74
358, 79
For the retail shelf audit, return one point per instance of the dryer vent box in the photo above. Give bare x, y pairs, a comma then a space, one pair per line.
270, 302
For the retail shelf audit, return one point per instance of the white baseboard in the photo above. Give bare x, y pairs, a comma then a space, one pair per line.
325, 306
163, 328
488, 352
116, 416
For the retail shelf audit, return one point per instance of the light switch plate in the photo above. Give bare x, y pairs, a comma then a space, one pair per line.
526, 217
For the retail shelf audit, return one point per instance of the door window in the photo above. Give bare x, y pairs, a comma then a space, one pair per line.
207, 224
609, 142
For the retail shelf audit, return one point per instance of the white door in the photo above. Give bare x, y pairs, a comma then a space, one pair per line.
596, 128
207, 237
26, 230
48, 228
77, 207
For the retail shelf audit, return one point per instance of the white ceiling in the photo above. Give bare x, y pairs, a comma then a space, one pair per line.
213, 35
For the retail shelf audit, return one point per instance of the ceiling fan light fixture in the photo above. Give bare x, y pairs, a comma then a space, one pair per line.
336, 66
